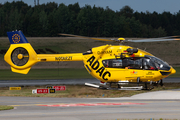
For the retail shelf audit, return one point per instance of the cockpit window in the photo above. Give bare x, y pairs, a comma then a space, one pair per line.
160, 64
148, 64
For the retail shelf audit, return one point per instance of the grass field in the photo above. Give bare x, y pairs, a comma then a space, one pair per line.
81, 91
61, 73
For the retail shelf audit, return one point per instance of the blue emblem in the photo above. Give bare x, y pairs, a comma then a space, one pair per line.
16, 38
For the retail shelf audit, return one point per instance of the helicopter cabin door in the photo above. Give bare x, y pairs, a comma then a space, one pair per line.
149, 69
133, 69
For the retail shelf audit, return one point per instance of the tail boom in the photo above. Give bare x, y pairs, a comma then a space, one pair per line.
21, 56
60, 57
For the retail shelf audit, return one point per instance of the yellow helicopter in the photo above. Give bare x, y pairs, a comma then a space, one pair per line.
108, 63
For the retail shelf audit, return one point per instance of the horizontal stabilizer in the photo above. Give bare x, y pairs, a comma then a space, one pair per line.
24, 71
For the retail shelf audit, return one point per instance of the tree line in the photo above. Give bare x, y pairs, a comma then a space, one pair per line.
50, 19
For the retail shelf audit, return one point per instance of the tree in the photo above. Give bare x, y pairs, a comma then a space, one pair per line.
51, 18
108, 22
74, 10
43, 22
62, 19
15, 22
50, 7
2, 21
126, 11
26, 23
84, 19
34, 28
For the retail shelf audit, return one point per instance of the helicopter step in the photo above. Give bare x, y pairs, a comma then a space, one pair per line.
132, 88
110, 88
92, 85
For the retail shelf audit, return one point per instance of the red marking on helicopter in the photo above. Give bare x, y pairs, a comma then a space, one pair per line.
132, 55
91, 104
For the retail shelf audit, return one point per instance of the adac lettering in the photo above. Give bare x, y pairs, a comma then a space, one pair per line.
95, 65
63, 58
104, 52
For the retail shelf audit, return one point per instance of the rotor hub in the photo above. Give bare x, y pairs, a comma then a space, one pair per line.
20, 56
121, 39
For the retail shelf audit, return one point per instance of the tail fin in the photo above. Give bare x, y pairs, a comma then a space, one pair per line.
20, 56
16, 37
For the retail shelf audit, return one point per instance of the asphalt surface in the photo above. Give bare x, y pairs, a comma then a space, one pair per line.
142, 106
16, 83
150, 105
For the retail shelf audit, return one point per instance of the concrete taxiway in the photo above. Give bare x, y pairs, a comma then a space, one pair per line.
160, 104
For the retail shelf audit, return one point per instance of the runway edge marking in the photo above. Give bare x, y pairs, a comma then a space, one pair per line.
91, 104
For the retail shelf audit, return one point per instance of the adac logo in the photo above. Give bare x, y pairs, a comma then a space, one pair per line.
134, 72
16, 38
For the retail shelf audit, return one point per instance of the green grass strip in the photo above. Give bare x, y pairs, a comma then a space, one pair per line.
4, 107
65, 73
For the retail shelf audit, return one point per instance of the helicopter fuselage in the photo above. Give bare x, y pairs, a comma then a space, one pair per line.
117, 64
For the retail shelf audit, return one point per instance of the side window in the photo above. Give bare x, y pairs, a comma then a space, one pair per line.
132, 63
112, 63
117, 63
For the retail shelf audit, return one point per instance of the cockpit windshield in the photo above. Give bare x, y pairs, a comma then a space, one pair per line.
146, 63
161, 65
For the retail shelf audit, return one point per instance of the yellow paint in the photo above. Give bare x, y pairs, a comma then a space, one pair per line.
14, 88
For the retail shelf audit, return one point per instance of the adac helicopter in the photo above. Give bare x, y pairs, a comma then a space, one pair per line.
107, 63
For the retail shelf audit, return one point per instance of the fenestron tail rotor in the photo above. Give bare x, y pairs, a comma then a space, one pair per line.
20, 56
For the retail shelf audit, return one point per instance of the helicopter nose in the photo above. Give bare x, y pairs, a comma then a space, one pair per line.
173, 71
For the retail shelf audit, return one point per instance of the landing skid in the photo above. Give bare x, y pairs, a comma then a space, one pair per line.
110, 88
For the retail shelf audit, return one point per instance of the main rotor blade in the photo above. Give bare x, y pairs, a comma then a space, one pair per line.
84, 37
170, 38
